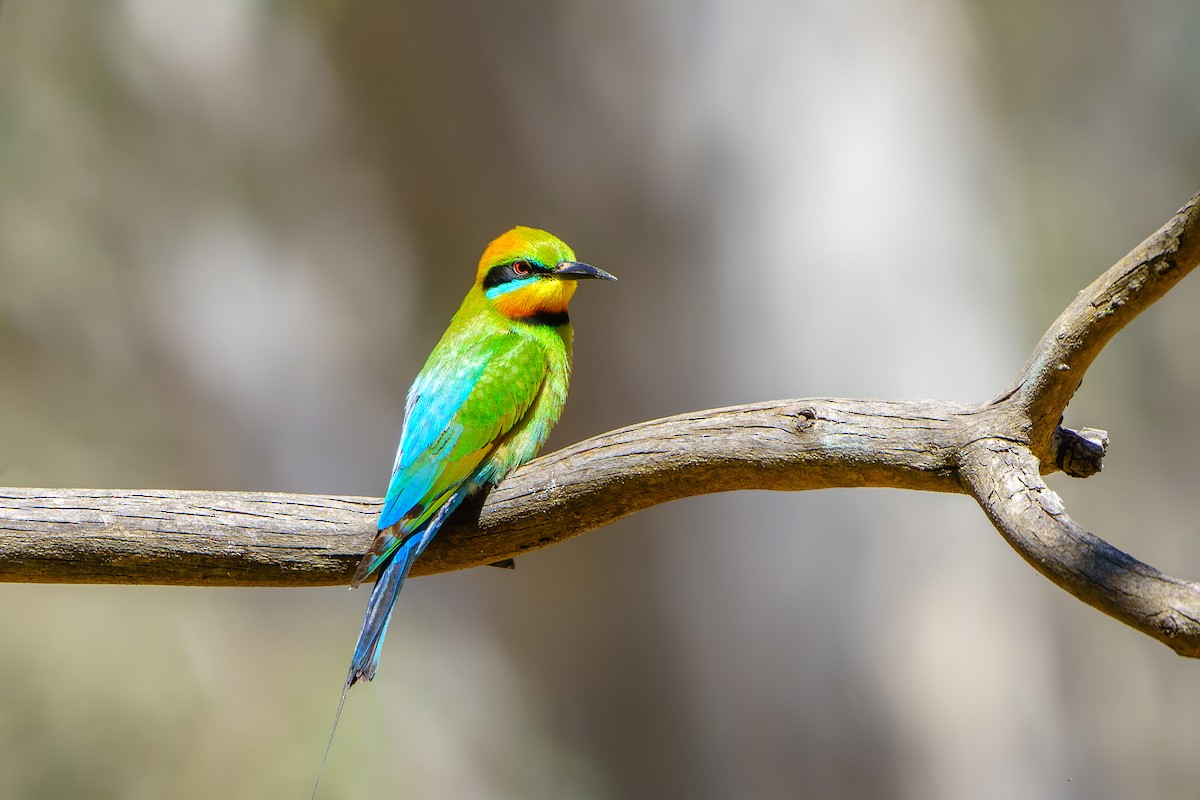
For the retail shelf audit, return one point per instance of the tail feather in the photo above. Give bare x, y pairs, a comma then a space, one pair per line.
379, 612
382, 549
394, 537
370, 637
397, 560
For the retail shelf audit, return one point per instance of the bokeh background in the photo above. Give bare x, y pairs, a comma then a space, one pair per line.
231, 231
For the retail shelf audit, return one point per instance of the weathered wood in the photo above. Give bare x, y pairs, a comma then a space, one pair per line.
1005, 479
180, 537
259, 539
994, 451
1056, 367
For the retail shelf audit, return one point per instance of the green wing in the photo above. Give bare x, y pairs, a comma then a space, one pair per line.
462, 404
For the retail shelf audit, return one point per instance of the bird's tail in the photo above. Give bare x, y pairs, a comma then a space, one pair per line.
374, 628
396, 560
379, 611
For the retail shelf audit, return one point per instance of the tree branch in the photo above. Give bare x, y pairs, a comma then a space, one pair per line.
1055, 370
1005, 479
254, 539
994, 451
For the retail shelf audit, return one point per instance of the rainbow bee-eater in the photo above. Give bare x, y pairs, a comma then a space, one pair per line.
484, 403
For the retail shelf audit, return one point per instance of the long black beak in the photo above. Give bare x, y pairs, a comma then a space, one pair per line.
575, 271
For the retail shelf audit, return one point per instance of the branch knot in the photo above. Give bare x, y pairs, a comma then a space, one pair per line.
1080, 454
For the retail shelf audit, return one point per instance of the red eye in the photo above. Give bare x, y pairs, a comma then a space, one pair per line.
521, 268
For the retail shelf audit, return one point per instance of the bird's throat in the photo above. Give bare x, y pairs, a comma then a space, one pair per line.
544, 301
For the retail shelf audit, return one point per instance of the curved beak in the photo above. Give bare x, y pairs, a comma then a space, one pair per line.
575, 271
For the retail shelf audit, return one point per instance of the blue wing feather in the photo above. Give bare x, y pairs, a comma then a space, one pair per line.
461, 407
456, 413
430, 430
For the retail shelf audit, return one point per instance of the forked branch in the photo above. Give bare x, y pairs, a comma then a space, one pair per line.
994, 451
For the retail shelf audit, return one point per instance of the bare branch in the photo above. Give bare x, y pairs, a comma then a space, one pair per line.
181, 538
1004, 478
1053, 373
251, 539
994, 451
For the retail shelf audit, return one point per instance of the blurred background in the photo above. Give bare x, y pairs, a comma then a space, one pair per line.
231, 231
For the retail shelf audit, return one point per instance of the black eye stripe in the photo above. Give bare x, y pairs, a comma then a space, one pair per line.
503, 273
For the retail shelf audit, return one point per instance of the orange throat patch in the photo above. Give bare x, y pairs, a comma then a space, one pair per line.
539, 297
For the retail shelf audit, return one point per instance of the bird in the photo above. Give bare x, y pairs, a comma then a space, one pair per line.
483, 404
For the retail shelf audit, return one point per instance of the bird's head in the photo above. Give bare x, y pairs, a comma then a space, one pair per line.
530, 274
